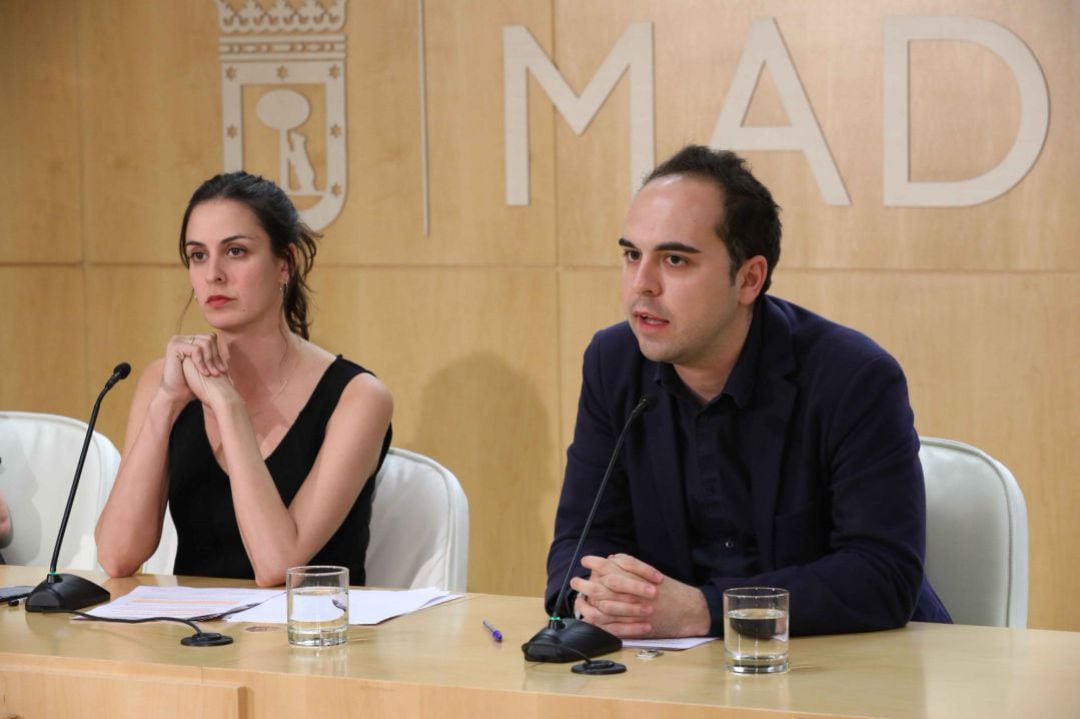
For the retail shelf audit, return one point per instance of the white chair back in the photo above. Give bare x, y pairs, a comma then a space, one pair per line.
419, 526
976, 535
38, 455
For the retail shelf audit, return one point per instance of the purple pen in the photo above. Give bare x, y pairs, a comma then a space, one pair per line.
495, 633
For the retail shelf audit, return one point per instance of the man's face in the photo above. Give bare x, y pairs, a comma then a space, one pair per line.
677, 290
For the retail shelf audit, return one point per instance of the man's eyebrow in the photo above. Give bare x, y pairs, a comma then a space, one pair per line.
663, 247
677, 247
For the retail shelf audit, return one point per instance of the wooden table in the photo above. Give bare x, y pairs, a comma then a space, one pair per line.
440, 662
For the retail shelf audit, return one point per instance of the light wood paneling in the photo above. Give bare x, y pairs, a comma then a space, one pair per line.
151, 122
990, 360
965, 110
588, 302
471, 357
382, 217
39, 140
64, 695
470, 222
593, 169
131, 313
382, 222
42, 323
112, 118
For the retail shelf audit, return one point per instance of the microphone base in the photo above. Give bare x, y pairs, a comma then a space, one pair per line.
65, 592
206, 639
599, 668
569, 640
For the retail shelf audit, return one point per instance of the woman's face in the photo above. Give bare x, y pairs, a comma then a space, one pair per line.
234, 273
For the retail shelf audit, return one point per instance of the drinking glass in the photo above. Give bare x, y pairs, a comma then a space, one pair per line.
756, 630
318, 601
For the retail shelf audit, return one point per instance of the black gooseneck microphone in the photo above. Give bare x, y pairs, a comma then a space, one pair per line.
567, 640
66, 591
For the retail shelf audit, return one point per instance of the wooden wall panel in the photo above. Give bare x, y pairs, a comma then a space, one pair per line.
131, 312
93, 695
588, 302
151, 122
39, 142
990, 360
471, 357
593, 169
470, 224
382, 220
113, 116
965, 110
42, 323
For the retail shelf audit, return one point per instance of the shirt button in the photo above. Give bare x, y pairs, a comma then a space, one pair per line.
729, 544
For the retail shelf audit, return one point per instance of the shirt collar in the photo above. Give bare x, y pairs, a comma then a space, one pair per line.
740, 383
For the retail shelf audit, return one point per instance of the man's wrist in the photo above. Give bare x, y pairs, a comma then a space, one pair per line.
714, 604
699, 618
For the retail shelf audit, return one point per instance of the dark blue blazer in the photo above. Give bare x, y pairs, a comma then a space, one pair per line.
839, 507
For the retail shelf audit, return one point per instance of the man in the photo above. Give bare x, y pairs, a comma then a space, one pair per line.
779, 449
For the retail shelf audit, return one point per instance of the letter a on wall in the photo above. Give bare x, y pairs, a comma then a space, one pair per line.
765, 47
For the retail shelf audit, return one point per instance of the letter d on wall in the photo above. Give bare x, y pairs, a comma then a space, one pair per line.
899, 191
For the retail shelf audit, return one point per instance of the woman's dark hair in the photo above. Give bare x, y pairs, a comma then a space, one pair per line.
279, 218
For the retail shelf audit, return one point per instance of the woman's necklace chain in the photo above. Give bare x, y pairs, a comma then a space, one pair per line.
285, 383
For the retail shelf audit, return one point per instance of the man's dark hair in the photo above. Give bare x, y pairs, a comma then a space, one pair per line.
750, 224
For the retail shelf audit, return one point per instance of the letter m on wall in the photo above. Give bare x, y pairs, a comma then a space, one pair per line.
522, 55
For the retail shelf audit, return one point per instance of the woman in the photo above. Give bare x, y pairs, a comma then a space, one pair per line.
264, 444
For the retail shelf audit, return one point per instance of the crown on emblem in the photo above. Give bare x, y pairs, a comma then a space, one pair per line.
310, 16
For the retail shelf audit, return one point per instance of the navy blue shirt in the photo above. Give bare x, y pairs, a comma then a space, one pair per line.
716, 475
803, 473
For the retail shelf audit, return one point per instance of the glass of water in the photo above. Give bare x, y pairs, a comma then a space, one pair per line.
756, 630
318, 598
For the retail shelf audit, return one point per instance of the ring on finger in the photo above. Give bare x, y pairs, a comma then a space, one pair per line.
191, 340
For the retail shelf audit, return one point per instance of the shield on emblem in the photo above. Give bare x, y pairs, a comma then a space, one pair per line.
283, 100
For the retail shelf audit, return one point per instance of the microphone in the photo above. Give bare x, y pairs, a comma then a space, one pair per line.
66, 591
567, 640
120, 371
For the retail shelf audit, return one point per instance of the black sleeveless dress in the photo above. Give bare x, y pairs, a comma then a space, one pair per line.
200, 499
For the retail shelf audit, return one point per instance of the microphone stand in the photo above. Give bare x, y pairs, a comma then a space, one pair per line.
567, 640
67, 591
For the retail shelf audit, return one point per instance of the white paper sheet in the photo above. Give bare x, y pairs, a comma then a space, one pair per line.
181, 602
366, 606
671, 645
